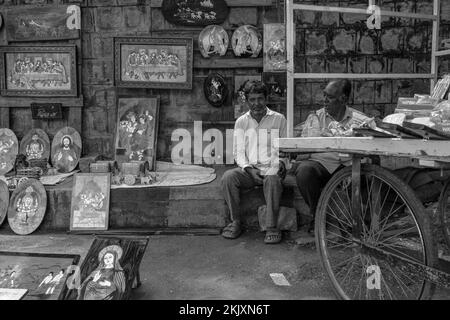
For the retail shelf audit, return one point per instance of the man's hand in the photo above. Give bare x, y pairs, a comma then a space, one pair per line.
255, 174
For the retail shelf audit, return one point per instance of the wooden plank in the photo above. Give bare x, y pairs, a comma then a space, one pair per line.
426, 132
435, 45
4, 118
230, 3
157, 231
413, 148
434, 164
442, 53
25, 102
232, 63
363, 76
385, 13
75, 118
290, 44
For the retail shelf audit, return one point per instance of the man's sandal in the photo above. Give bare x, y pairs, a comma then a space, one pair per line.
272, 237
232, 231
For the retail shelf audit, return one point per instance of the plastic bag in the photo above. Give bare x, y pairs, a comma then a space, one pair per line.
311, 127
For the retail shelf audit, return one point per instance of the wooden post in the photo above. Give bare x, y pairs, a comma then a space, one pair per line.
356, 196
4, 117
290, 44
435, 44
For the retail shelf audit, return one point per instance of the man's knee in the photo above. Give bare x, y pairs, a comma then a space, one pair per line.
306, 171
229, 177
272, 180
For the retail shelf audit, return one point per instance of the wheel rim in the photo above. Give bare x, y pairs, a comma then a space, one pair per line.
388, 222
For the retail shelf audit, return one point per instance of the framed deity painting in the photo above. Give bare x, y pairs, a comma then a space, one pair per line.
137, 130
9, 148
35, 145
161, 63
27, 207
274, 47
90, 201
66, 149
38, 71
111, 269
36, 276
38, 23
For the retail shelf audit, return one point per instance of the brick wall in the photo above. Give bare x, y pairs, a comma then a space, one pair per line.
325, 42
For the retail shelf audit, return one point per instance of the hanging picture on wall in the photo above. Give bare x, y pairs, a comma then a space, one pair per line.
110, 269
90, 201
247, 41
37, 23
35, 145
27, 207
274, 47
213, 40
241, 82
215, 89
44, 276
38, 71
66, 149
195, 12
9, 148
153, 63
4, 201
137, 130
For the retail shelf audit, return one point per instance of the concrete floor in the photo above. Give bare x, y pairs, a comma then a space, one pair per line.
208, 267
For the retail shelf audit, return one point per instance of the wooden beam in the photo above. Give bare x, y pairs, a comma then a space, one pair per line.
413, 148
290, 41
228, 63
306, 7
230, 3
25, 102
442, 53
363, 76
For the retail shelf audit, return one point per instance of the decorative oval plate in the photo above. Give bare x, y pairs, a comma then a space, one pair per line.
247, 41
27, 207
215, 89
35, 145
4, 200
66, 149
9, 148
213, 40
195, 12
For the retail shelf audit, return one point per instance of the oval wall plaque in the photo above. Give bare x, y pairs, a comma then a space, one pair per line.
66, 149
4, 200
247, 41
9, 148
195, 12
213, 40
27, 207
216, 90
35, 145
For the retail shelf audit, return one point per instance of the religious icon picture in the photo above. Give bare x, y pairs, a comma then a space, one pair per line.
213, 40
247, 41
66, 149
195, 12
110, 269
9, 148
27, 207
137, 129
241, 84
35, 145
215, 89
4, 200
274, 47
42, 276
90, 201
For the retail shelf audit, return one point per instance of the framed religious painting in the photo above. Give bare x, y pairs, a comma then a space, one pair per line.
90, 201
137, 130
9, 148
36, 276
161, 63
274, 56
195, 12
27, 207
66, 149
35, 145
44, 22
110, 269
38, 71
4, 201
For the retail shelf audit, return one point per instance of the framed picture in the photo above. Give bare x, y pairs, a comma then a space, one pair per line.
43, 275
110, 269
137, 130
38, 71
160, 63
90, 201
38, 23
9, 148
194, 12
274, 47
66, 149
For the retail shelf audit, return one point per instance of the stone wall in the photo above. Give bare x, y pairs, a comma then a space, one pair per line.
327, 42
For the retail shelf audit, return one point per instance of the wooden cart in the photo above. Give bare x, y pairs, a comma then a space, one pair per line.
372, 232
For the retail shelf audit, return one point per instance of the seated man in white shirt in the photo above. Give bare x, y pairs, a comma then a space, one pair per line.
258, 162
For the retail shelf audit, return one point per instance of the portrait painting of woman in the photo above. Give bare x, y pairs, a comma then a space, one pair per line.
108, 280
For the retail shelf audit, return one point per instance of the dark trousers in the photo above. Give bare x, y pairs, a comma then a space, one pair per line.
311, 178
234, 180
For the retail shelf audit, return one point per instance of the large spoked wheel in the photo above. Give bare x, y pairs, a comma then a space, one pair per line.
391, 219
444, 212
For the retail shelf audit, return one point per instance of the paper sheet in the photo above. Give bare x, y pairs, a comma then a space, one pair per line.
279, 279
